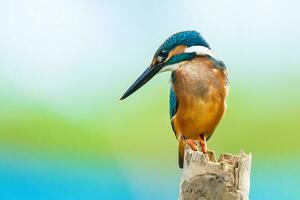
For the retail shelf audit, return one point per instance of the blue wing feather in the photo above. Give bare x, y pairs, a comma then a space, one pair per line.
172, 103
173, 108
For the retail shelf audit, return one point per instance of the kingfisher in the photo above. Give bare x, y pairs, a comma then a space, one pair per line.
199, 88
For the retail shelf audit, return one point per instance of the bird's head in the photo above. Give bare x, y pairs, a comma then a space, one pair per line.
178, 48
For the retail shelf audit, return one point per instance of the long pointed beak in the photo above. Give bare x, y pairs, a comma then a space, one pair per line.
146, 76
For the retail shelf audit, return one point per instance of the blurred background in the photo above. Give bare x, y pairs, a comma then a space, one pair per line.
64, 134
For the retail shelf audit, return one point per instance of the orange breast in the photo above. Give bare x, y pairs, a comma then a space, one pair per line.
201, 93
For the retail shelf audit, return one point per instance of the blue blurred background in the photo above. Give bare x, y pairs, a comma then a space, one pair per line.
64, 64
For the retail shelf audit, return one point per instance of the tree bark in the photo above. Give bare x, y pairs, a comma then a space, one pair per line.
205, 178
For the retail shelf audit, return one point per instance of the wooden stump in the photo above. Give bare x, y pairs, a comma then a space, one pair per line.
205, 178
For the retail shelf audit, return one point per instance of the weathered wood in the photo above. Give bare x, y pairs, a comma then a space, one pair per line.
205, 178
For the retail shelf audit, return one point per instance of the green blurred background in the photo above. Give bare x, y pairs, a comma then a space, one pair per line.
64, 64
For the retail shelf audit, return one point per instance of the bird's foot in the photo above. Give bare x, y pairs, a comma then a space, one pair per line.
202, 142
192, 144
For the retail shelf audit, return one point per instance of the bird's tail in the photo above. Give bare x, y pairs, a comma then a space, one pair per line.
181, 147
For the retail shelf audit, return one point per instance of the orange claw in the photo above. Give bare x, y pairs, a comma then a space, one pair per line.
202, 142
192, 144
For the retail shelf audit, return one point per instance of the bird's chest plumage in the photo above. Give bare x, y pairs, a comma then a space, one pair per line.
201, 90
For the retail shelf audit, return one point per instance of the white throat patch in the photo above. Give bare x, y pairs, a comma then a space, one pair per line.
170, 67
199, 50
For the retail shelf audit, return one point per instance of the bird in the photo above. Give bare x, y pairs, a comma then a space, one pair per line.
198, 91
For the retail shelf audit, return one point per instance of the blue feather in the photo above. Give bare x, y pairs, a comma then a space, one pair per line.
188, 38
172, 103
218, 63
180, 57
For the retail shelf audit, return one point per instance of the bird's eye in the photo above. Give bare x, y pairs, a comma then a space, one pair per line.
162, 56
164, 53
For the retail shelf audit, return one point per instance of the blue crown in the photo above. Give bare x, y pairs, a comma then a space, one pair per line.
187, 38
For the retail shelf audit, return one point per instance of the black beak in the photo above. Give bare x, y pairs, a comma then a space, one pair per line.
143, 79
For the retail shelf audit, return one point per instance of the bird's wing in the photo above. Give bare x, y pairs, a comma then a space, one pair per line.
218, 63
173, 103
